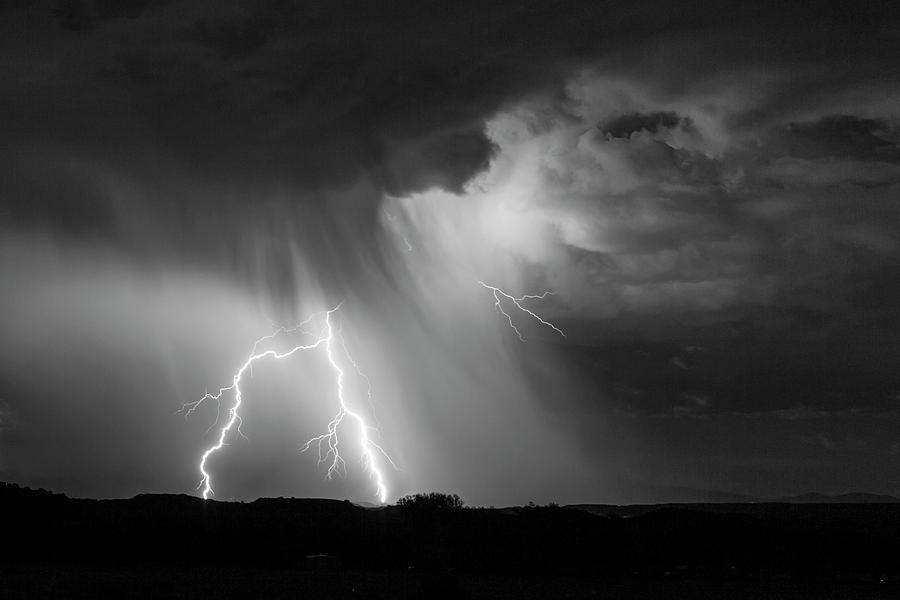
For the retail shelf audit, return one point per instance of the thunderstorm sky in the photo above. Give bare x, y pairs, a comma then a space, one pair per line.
710, 190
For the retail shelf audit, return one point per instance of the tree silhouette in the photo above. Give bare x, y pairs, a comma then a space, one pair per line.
431, 500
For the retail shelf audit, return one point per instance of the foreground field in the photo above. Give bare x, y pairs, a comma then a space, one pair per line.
182, 547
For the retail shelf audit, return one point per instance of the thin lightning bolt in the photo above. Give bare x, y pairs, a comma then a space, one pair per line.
328, 442
517, 301
409, 247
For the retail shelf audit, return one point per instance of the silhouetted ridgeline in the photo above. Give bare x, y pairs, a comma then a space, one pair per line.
816, 542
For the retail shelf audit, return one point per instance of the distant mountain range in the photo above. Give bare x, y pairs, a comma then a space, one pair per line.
722, 502
643, 494
854, 498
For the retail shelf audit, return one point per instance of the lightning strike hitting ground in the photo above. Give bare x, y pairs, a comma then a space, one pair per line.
517, 300
327, 443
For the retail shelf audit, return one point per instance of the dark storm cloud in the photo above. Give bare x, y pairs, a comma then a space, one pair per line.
84, 15
319, 93
625, 125
312, 94
843, 136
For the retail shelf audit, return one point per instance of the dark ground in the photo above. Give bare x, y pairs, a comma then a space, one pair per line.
163, 546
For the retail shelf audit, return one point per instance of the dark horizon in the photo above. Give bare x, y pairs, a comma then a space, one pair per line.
707, 193
433, 547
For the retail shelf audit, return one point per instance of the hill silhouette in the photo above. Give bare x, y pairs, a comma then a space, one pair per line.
156, 545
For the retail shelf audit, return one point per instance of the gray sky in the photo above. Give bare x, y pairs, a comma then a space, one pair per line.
710, 193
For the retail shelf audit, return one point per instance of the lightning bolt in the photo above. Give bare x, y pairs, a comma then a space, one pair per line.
499, 295
328, 442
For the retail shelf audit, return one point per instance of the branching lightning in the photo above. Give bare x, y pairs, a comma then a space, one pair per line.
499, 295
327, 443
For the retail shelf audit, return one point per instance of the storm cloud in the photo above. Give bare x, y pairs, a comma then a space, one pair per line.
710, 192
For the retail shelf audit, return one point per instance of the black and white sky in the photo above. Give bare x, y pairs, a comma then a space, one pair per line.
711, 190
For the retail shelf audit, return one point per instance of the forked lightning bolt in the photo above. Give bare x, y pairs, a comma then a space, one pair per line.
499, 295
328, 442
